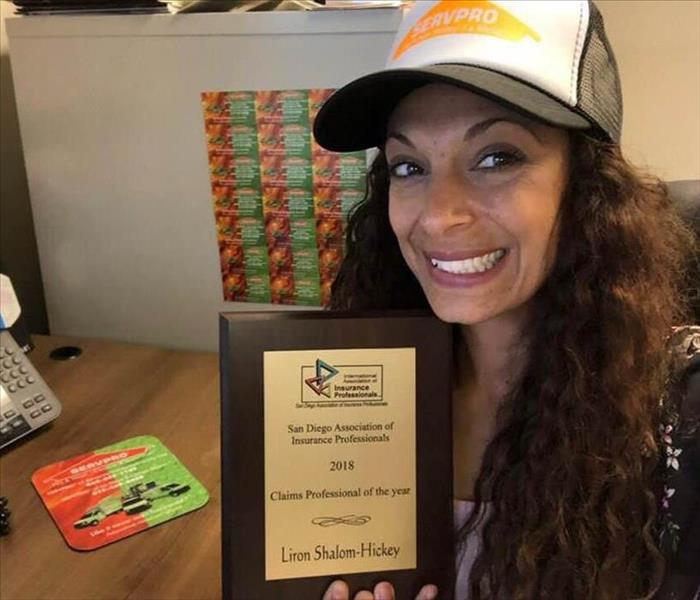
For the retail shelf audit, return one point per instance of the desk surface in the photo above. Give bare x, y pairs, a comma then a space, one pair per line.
111, 393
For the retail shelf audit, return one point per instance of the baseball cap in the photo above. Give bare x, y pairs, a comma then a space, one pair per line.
548, 59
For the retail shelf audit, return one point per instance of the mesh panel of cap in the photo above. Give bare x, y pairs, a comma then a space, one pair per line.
599, 93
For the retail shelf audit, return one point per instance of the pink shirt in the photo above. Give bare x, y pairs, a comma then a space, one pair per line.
466, 555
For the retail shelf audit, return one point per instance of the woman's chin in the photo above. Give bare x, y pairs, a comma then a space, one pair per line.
450, 312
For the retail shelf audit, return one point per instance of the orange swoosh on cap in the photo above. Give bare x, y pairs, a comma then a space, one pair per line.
450, 17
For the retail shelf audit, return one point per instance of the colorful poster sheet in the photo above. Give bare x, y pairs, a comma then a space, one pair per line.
281, 201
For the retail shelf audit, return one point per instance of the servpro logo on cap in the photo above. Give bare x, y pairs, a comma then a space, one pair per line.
450, 17
539, 42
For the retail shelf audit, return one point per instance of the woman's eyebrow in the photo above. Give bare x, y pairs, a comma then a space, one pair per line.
474, 130
482, 126
401, 137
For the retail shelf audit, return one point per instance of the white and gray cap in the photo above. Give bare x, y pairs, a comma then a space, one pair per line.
548, 59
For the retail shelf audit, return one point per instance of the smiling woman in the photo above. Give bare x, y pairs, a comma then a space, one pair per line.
500, 200
474, 195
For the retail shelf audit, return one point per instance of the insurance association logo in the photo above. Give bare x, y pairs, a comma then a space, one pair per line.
320, 383
324, 384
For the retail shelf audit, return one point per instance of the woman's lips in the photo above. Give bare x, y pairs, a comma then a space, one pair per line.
439, 265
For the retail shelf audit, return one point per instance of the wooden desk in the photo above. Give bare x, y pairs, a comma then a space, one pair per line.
111, 393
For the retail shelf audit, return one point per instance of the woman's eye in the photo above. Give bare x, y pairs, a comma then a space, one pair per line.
404, 169
499, 160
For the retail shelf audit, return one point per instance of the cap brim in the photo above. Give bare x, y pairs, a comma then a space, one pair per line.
355, 117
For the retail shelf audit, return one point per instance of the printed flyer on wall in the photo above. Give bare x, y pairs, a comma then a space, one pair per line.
280, 200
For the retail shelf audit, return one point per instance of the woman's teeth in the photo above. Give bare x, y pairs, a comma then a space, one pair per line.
478, 264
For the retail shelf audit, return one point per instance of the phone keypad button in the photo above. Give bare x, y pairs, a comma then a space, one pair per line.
23, 370
7, 363
5, 429
21, 383
9, 414
35, 413
5, 378
18, 422
16, 360
28, 403
30, 379
46, 407
39, 398
14, 374
12, 388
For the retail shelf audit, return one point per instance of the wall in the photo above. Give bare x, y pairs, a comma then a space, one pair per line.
18, 254
657, 45
116, 158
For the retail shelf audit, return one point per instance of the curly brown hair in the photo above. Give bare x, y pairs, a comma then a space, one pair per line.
569, 476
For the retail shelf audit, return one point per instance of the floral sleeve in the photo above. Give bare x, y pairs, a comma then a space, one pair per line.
679, 523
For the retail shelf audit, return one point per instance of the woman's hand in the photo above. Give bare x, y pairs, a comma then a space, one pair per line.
338, 590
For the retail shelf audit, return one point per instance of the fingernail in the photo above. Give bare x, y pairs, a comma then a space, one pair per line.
432, 593
337, 591
383, 591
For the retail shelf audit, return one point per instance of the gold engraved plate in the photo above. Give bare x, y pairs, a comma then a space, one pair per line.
340, 461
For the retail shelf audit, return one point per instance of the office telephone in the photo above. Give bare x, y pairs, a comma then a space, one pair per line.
26, 402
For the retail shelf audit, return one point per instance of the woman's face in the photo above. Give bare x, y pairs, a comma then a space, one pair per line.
473, 199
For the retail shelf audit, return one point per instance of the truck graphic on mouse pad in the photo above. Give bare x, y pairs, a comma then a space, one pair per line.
138, 499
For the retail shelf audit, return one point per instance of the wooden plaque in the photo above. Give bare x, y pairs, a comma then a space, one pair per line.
336, 454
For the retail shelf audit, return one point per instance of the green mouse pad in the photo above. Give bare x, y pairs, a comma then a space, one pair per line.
111, 493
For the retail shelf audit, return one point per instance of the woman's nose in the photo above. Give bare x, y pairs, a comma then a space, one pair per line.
450, 202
